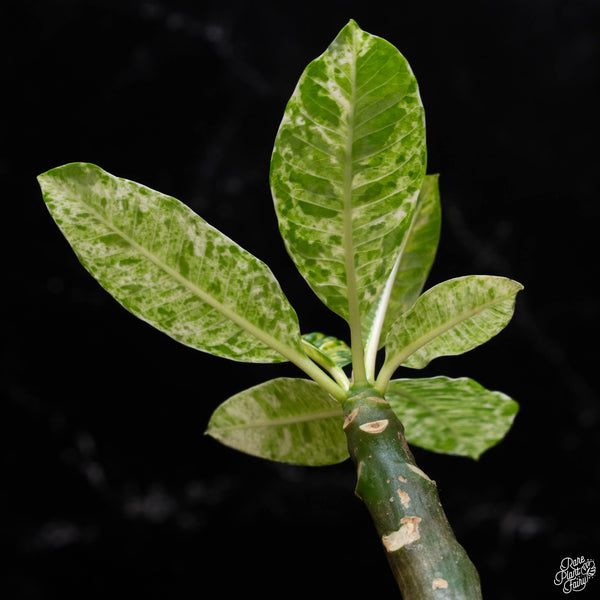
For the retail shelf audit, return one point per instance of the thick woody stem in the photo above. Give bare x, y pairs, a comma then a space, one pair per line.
427, 561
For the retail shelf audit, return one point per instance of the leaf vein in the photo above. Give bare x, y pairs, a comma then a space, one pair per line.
373, 75
305, 141
305, 171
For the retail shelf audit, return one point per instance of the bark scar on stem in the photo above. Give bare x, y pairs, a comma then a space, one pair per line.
439, 583
407, 534
418, 471
404, 443
350, 418
374, 426
404, 497
358, 472
377, 400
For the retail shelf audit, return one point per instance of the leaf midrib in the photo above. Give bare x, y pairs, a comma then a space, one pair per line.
373, 339
348, 235
391, 364
282, 421
450, 324
264, 337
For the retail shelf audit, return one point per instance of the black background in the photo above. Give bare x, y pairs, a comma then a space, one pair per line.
108, 484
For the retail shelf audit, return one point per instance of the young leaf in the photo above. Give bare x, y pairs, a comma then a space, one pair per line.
287, 420
450, 318
347, 168
170, 268
451, 416
410, 271
326, 349
329, 352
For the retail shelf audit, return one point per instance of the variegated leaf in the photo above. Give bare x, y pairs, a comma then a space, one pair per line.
287, 420
329, 352
412, 267
451, 416
347, 168
450, 318
170, 268
326, 349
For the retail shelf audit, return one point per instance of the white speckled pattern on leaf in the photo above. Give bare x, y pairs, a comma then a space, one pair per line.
285, 419
450, 318
452, 416
347, 167
410, 271
169, 267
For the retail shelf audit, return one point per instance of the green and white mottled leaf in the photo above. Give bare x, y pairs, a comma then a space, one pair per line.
451, 416
347, 168
170, 268
410, 271
326, 349
329, 352
286, 420
451, 318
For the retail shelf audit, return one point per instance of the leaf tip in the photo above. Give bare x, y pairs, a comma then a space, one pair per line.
352, 26
67, 170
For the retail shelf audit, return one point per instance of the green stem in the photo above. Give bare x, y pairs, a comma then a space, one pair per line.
426, 560
316, 374
326, 363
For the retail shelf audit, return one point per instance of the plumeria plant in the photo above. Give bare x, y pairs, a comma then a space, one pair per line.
361, 220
